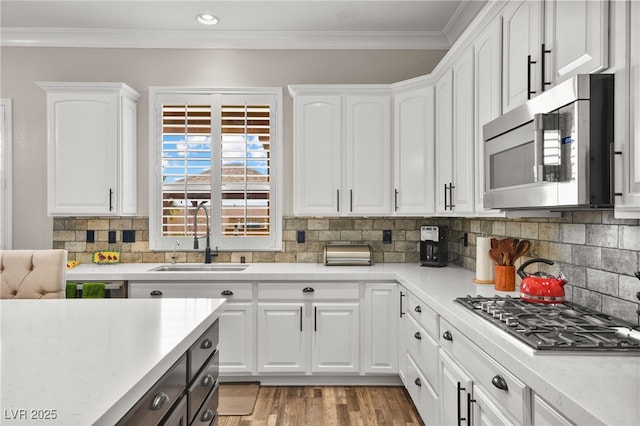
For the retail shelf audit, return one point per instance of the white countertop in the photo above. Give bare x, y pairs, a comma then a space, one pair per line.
90, 360
589, 388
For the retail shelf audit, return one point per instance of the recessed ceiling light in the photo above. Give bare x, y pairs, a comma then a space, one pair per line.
207, 19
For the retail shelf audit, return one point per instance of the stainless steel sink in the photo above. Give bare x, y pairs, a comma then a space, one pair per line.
201, 267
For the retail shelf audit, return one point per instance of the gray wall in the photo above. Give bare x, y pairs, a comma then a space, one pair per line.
141, 68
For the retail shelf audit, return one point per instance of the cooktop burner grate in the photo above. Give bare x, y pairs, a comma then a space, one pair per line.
556, 327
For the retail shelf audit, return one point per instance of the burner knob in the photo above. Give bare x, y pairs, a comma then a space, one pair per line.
512, 321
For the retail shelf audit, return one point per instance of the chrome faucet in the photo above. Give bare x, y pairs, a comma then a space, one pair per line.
207, 249
175, 247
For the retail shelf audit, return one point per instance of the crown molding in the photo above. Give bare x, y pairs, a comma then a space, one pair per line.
109, 87
100, 38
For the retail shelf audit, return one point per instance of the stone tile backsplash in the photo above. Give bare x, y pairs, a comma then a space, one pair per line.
597, 252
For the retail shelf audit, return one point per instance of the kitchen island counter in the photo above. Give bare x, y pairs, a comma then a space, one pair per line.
81, 362
591, 389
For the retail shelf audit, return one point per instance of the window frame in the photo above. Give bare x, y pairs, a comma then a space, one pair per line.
168, 94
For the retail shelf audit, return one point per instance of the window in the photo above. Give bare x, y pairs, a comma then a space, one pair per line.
5, 174
216, 149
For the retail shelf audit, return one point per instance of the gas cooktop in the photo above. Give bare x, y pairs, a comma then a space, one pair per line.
556, 327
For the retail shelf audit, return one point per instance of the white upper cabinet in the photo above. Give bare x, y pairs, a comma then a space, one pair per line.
627, 166
547, 42
487, 101
342, 151
413, 148
455, 138
91, 149
368, 165
522, 44
576, 38
317, 152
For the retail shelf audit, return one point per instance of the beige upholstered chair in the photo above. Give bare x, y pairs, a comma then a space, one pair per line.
32, 274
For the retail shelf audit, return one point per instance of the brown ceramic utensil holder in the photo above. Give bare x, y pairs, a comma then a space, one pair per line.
505, 278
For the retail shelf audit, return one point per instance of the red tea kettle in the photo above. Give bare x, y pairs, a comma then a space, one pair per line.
541, 287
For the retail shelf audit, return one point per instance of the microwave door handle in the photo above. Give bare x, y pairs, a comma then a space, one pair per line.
538, 147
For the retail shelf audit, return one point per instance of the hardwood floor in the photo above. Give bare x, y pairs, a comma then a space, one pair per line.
329, 406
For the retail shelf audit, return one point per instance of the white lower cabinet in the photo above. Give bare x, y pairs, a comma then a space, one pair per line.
422, 393
468, 372
545, 415
380, 328
309, 328
237, 319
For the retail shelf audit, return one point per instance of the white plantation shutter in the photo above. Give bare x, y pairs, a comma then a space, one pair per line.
215, 149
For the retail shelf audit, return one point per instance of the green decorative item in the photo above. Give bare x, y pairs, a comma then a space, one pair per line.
93, 290
71, 290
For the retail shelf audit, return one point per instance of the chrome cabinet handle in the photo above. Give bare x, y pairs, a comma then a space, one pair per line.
417, 336
207, 416
156, 293
208, 380
337, 200
227, 293
159, 401
418, 309
110, 199
308, 290
206, 344
469, 409
417, 381
395, 199
460, 418
401, 310
447, 336
499, 382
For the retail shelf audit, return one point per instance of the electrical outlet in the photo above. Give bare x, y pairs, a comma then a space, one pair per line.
386, 236
91, 236
129, 236
112, 237
301, 237
465, 239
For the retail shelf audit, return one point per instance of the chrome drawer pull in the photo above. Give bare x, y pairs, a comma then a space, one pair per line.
499, 382
159, 400
207, 415
308, 290
206, 344
226, 293
447, 336
418, 382
156, 293
417, 335
208, 380
418, 309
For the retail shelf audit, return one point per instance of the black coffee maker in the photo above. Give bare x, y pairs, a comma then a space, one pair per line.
434, 250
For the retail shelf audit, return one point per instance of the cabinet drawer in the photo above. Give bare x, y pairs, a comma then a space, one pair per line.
160, 398
204, 382
426, 317
424, 350
308, 291
424, 397
231, 291
200, 352
504, 387
178, 416
208, 413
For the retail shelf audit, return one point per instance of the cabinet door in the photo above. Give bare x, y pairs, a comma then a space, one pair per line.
380, 328
577, 36
317, 152
281, 342
522, 37
444, 142
545, 415
336, 337
414, 117
423, 395
485, 412
82, 149
368, 152
236, 338
628, 163
487, 100
455, 388
463, 132
402, 341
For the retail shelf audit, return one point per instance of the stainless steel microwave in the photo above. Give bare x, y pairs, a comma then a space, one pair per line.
554, 152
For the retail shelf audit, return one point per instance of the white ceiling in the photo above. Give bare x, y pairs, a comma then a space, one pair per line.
244, 24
